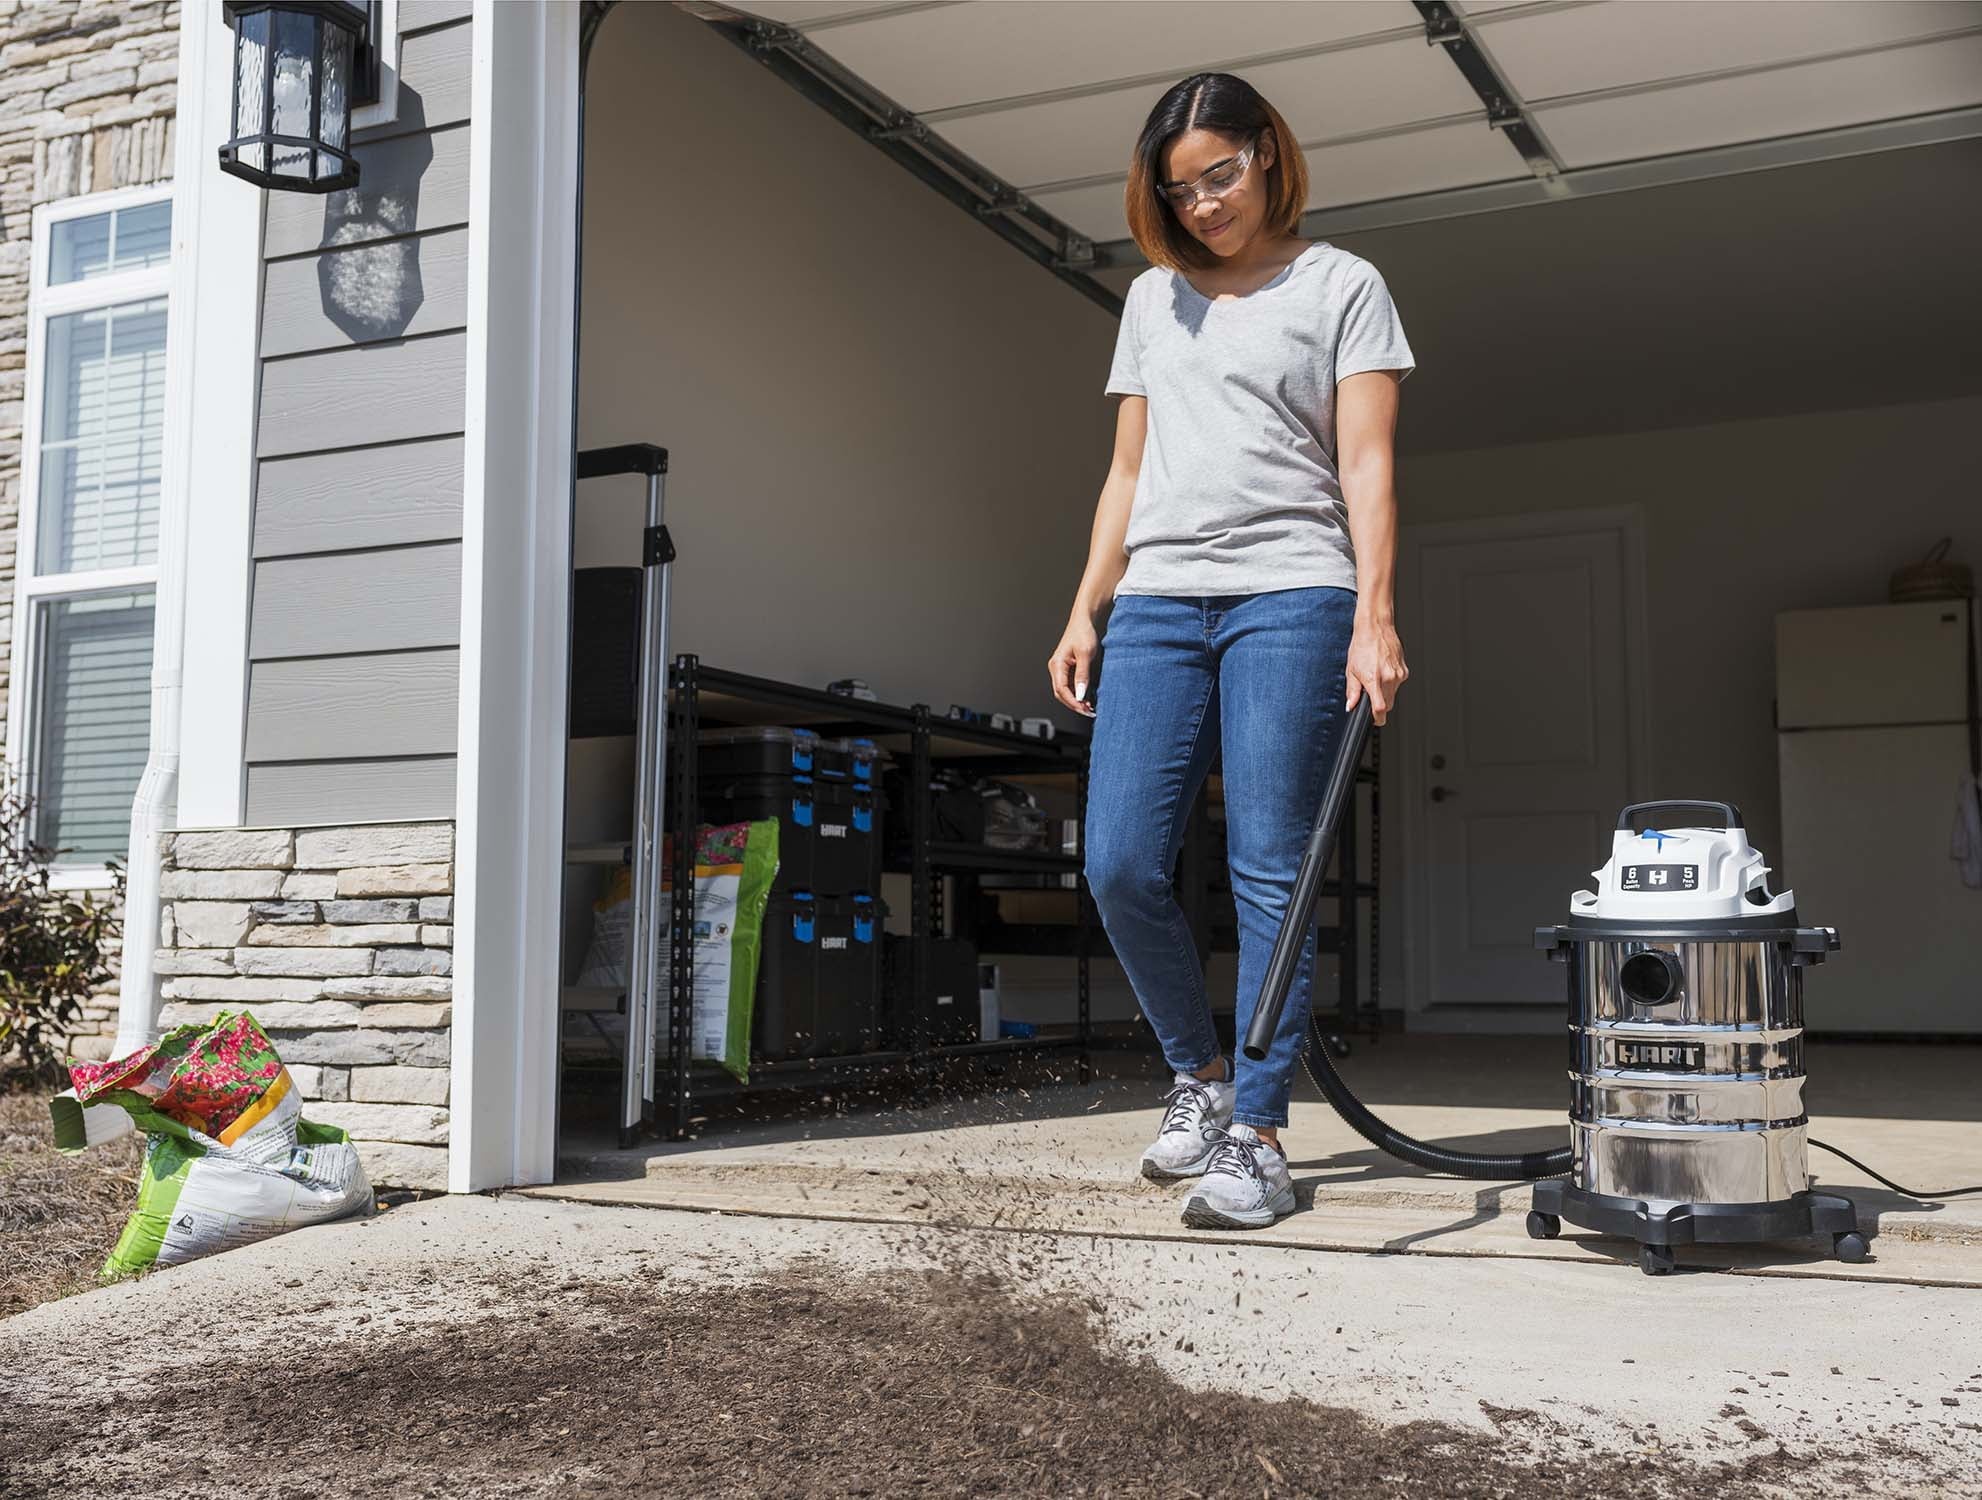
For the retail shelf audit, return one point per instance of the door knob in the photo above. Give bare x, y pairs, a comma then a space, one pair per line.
1440, 793
1438, 763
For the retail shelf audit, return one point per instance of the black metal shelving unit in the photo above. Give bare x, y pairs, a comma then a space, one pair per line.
701, 696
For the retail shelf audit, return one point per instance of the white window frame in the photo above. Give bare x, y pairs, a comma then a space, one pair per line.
385, 110
31, 591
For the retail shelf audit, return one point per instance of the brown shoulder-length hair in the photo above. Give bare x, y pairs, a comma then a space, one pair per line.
1231, 106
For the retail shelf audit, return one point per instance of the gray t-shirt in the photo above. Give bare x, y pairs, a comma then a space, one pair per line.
1238, 492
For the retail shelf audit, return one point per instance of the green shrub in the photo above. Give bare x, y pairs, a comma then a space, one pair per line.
54, 947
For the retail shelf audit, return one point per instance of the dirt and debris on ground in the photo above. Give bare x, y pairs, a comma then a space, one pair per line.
513, 1347
800, 1384
59, 1215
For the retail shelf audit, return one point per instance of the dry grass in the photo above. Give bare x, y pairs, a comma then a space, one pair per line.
59, 1215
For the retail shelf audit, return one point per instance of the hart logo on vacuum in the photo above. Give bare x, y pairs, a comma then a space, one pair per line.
1659, 878
832, 942
1666, 1057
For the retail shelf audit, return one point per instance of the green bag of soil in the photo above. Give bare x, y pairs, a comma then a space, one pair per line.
735, 864
229, 1159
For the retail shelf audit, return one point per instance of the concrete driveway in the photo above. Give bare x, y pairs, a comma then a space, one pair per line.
1060, 1156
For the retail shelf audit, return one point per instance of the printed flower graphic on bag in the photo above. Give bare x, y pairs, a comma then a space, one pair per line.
204, 1078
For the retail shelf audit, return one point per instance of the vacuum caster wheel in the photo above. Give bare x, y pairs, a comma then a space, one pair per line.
1850, 1247
1543, 1226
1655, 1260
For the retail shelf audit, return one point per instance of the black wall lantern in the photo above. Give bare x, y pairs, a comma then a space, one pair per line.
300, 68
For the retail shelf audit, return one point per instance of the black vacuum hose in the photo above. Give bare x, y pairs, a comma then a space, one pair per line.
1528, 1166
1281, 968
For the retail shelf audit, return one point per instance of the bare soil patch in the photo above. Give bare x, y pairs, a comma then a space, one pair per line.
799, 1384
59, 1215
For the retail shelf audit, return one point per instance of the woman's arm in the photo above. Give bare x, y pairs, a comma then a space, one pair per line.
1365, 438
1069, 665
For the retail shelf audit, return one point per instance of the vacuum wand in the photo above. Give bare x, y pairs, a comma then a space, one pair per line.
1335, 804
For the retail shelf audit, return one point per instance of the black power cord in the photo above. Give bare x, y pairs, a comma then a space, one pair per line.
1880, 1177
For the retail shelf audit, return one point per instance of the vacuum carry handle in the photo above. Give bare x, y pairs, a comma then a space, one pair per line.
1335, 803
1730, 814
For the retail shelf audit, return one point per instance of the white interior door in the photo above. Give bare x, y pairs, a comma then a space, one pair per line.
1521, 681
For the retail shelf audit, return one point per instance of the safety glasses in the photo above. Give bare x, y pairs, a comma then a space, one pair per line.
1215, 182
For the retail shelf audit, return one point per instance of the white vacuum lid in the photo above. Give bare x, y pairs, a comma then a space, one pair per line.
1686, 872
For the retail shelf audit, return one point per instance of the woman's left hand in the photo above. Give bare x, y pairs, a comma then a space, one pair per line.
1376, 666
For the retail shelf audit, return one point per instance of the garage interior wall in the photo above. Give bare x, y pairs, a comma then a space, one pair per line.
886, 430
1742, 520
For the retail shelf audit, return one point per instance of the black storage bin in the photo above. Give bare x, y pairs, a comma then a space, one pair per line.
849, 993
956, 810
784, 1023
760, 750
792, 800
951, 1012
605, 651
847, 832
856, 761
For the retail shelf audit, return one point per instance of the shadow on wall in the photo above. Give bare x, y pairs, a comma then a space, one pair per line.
372, 291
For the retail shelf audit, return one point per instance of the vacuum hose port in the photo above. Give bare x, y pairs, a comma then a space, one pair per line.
1651, 977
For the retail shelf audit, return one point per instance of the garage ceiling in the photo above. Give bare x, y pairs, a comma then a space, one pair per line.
1024, 110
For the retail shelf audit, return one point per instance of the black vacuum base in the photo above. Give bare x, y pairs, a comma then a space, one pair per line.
1658, 1230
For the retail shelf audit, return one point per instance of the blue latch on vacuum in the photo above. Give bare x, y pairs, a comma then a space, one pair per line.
801, 801
863, 816
802, 920
863, 919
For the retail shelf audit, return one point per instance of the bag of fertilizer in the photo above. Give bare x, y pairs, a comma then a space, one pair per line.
735, 864
229, 1159
612, 929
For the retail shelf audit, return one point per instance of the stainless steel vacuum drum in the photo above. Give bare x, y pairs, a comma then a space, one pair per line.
1687, 1118
1688, 1076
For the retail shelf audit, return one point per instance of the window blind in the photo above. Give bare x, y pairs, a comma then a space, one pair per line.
102, 424
93, 723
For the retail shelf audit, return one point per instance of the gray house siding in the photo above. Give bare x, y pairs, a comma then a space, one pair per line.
353, 642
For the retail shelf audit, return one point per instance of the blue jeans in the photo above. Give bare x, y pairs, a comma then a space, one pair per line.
1257, 679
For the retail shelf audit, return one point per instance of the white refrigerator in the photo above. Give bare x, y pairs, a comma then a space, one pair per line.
1873, 710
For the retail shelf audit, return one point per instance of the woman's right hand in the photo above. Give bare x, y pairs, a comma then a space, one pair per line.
1071, 665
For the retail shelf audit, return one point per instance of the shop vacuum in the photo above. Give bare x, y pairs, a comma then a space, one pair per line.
1687, 1123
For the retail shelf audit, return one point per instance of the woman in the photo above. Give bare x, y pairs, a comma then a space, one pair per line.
1241, 559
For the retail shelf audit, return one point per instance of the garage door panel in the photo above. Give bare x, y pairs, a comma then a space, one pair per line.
1627, 42
1095, 211
809, 12
1763, 106
1333, 94
1424, 161
966, 54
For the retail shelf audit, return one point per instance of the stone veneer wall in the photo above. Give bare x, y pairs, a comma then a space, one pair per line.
339, 941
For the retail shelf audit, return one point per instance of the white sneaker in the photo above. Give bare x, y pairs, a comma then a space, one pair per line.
1199, 1110
1246, 1184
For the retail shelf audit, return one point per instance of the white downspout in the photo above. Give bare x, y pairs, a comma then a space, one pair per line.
156, 803
202, 342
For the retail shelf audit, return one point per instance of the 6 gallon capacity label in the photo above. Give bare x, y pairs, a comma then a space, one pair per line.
1659, 878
